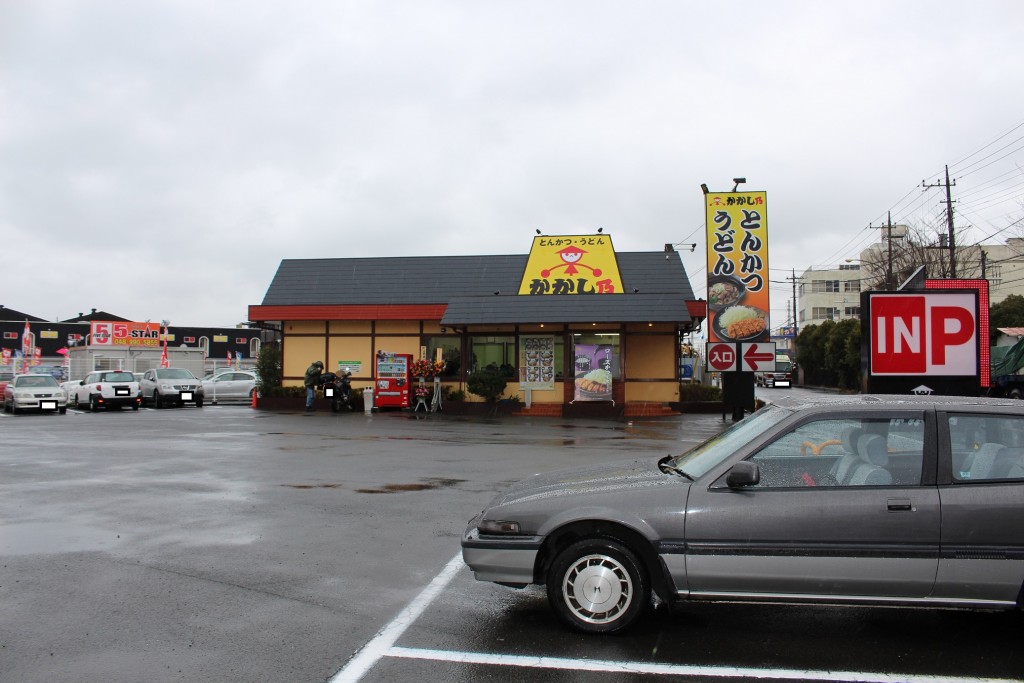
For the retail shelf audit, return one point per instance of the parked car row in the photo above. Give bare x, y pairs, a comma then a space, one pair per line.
159, 388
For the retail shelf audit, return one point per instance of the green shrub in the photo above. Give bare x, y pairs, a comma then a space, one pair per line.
487, 383
699, 392
449, 394
268, 369
283, 391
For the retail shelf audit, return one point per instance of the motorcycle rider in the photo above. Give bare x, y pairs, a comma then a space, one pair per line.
312, 381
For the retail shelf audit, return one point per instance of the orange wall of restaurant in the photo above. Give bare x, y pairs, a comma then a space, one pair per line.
305, 327
350, 348
351, 327
410, 345
299, 352
397, 327
650, 357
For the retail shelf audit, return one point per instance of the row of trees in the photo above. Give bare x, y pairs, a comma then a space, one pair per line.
829, 354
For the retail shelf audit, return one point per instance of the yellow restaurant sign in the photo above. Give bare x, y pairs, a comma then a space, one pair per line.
571, 264
737, 231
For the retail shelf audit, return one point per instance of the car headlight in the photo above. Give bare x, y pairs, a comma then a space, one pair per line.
167, 387
498, 527
22, 394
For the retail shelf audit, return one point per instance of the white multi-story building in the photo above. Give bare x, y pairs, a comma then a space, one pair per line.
828, 294
834, 293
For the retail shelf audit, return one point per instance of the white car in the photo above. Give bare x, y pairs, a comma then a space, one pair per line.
106, 389
34, 392
237, 384
177, 386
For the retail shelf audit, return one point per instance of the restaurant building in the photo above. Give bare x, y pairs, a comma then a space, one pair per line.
576, 328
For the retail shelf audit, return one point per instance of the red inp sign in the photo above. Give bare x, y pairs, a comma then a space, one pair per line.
917, 334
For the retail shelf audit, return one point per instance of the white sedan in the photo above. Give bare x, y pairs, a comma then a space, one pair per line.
34, 392
238, 384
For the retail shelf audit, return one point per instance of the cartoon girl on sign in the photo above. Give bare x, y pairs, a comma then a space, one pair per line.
571, 257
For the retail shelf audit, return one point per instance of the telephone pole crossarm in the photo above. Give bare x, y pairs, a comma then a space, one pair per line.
949, 220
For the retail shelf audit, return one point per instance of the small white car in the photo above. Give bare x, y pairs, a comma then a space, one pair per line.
166, 386
34, 392
106, 389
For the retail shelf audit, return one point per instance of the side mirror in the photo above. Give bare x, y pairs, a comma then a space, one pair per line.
743, 474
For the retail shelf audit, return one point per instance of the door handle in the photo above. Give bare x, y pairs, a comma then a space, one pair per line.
899, 505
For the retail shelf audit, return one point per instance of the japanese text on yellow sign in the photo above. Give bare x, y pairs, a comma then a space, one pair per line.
571, 264
737, 230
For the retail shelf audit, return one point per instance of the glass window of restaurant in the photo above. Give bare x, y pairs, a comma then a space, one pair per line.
451, 353
493, 351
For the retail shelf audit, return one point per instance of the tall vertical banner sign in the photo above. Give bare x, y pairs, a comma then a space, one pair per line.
737, 239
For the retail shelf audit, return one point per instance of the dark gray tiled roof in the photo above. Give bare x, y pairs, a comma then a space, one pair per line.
438, 279
553, 308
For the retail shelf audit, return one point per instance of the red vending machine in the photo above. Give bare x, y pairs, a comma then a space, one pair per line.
392, 380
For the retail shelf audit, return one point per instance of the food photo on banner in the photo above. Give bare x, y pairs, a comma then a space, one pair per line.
593, 366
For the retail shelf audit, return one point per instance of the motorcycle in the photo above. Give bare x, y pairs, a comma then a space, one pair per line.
338, 387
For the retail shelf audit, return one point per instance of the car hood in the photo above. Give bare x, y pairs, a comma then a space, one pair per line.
594, 479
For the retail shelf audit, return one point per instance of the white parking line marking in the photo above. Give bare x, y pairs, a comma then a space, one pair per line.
693, 670
383, 645
371, 653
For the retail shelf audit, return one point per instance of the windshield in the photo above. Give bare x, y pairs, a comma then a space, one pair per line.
699, 460
783, 366
175, 373
118, 377
36, 381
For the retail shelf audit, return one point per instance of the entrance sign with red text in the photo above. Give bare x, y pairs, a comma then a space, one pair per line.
722, 357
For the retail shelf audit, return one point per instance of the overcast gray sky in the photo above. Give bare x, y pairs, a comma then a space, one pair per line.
159, 159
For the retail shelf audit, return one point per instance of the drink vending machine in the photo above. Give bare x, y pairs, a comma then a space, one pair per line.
392, 380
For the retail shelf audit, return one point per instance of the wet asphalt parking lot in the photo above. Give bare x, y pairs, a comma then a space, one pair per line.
225, 544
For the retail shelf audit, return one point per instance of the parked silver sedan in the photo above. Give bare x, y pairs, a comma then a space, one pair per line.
844, 500
34, 392
233, 385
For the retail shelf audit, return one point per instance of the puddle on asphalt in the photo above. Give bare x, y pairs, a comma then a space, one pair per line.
48, 538
312, 486
425, 485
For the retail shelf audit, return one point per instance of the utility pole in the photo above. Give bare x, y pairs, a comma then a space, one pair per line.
888, 239
949, 220
796, 328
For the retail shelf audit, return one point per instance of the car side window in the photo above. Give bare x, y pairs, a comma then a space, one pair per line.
845, 452
986, 447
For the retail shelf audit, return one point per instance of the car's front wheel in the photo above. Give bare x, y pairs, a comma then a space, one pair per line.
156, 399
598, 585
